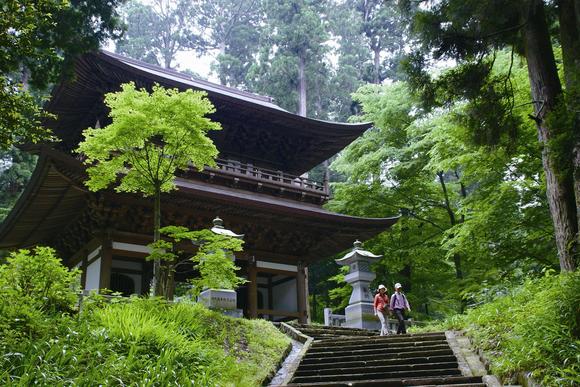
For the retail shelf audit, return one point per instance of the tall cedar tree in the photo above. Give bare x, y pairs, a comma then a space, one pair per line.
293, 54
233, 28
157, 32
151, 137
470, 32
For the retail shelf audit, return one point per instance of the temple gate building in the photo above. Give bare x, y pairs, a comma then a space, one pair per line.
258, 189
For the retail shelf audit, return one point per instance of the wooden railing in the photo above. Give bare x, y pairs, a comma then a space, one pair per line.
238, 169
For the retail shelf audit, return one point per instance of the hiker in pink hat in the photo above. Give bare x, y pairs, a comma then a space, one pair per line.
382, 310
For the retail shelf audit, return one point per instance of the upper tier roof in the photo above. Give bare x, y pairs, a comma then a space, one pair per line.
255, 129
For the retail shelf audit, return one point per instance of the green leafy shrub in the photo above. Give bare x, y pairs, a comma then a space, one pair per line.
535, 328
34, 286
212, 260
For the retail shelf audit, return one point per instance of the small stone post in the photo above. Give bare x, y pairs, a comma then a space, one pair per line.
359, 312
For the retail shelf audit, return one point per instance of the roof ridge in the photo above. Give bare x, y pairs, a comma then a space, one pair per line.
188, 77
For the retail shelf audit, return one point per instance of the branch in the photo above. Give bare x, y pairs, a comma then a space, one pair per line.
447, 202
409, 212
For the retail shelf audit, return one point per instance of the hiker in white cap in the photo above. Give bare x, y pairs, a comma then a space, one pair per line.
398, 305
381, 309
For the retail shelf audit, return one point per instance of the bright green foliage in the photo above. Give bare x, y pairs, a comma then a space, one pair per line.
534, 327
150, 138
212, 260
36, 38
149, 342
472, 33
476, 215
34, 285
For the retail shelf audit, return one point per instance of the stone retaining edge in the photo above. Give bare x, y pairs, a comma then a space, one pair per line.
463, 352
298, 336
287, 351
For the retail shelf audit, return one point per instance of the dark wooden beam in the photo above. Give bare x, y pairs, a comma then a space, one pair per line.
106, 262
252, 290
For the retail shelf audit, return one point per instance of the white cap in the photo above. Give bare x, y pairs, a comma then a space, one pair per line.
398, 285
382, 287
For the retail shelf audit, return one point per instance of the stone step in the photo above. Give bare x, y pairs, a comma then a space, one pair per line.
327, 337
377, 375
378, 362
340, 341
310, 326
455, 381
454, 385
330, 334
337, 352
325, 358
321, 347
377, 368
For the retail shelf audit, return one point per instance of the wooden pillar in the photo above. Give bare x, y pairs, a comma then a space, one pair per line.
84, 265
307, 295
270, 294
252, 288
302, 292
106, 261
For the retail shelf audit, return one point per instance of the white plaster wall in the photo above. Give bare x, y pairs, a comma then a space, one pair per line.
285, 296
94, 253
131, 247
93, 276
277, 266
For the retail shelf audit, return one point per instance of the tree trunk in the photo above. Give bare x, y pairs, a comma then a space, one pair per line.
301, 86
222, 51
546, 92
453, 222
377, 65
170, 287
569, 17
157, 288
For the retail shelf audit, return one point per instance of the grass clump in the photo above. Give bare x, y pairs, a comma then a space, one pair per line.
137, 342
148, 342
535, 328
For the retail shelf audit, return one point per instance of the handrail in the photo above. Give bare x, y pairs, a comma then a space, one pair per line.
236, 168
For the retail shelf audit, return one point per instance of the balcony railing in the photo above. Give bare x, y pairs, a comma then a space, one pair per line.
239, 170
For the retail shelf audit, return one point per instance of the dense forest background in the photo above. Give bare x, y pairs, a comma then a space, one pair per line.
452, 87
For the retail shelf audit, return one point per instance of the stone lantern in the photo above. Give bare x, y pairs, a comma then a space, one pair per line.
222, 299
359, 312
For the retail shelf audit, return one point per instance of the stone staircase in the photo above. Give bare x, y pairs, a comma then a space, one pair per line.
357, 357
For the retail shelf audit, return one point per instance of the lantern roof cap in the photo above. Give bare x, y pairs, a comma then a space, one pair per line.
356, 254
218, 228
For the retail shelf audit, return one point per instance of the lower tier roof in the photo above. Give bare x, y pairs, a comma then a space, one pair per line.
56, 209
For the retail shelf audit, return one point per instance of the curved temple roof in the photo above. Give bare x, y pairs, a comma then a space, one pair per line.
255, 129
56, 198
